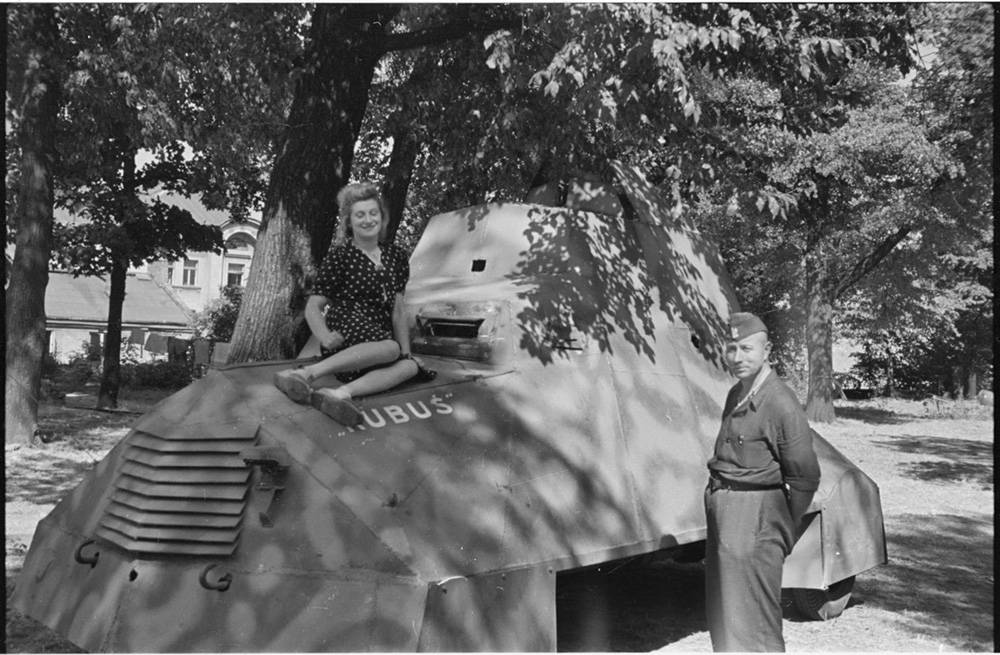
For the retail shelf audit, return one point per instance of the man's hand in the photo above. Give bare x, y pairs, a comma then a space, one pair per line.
331, 340
798, 503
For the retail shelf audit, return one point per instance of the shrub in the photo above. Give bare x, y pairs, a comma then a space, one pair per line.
76, 373
157, 375
92, 351
50, 367
219, 318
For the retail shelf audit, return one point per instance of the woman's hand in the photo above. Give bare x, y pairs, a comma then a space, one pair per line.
331, 340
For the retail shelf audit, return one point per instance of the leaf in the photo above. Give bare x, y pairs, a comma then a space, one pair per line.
690, 108
773, 206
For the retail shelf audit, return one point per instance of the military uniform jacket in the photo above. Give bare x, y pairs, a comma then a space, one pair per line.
766, 441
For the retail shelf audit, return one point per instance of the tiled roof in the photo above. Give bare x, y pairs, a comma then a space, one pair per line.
85, 299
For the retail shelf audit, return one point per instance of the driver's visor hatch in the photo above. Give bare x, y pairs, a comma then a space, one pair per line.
473, 331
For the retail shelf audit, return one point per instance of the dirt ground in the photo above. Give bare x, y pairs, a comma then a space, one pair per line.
933, 465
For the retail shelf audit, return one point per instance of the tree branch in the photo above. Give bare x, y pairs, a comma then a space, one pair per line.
446, 32
867, 263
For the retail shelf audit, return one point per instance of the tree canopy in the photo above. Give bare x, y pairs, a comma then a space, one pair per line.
811, 141
926, 323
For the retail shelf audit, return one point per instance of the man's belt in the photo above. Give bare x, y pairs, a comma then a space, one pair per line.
715, 483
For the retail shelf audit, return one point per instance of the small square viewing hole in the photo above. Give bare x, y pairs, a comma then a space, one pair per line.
478, 265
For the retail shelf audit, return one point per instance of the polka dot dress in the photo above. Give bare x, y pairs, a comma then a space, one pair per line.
361, 294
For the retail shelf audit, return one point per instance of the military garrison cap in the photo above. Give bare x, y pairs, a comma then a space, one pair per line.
743, 324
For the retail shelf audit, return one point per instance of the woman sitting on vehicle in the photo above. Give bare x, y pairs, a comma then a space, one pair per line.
363, 336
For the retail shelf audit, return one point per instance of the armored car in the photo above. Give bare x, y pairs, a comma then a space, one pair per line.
577, 340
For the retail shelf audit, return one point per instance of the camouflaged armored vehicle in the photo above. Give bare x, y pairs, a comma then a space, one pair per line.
578, 351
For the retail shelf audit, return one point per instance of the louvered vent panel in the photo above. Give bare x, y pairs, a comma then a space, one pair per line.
178, 496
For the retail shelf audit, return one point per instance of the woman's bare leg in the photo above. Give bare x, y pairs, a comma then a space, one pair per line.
336, 403
381, 379
354, 358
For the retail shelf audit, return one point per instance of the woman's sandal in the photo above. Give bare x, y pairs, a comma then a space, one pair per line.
424, 374
294, 384
339, 409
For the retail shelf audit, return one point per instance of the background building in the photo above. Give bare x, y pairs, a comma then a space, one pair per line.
198, 279
161, 298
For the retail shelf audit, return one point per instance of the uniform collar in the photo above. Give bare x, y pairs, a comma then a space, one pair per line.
756, 395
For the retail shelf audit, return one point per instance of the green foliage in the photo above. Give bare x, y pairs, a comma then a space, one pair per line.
918, 366
78, 371
158, 375
50, 366
927, 323
89, 351
780, 125
122, 77
576, 85
202, 88
956, 85
786, 127
143, 233
217, 321
199, 90
234, 68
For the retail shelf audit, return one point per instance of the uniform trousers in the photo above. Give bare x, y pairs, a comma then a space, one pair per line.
749, 535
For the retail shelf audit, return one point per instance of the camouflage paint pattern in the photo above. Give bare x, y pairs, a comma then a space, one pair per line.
579, 390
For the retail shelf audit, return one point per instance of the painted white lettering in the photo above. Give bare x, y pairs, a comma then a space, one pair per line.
380, 422
424, 412
441, 406
396, 413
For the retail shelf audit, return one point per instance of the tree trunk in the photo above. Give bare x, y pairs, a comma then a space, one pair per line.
819, 348
397, 179
890, 378
956, 382
29, 271
107, 397
313, 163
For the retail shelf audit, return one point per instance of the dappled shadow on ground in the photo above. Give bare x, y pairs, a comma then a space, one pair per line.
791, 614
937, 585
893, 411
630, 606
75, 441
635, 605
939, 580
955, 460
872, 415
46, 477
81, 429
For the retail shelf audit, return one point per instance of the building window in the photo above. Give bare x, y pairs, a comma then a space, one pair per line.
190, 278
234, 275
240, 242
170, 273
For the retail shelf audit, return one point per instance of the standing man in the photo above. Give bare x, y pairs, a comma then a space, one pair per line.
762, 478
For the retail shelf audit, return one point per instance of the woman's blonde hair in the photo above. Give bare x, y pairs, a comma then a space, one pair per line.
346, 198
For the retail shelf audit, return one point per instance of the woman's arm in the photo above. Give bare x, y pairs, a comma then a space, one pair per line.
400, 326
327, 338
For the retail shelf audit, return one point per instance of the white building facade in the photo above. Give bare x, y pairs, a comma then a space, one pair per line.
161, 298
